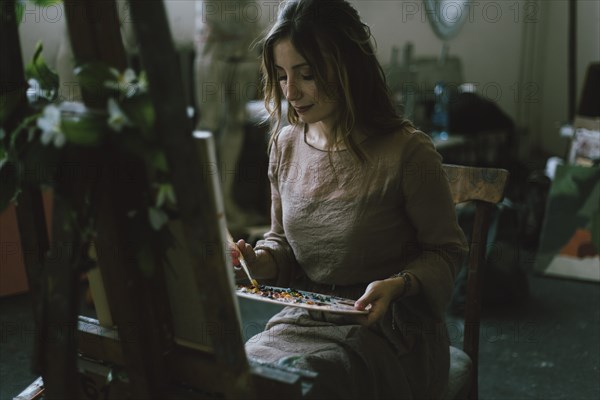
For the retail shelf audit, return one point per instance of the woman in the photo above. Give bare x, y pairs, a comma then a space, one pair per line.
360, 209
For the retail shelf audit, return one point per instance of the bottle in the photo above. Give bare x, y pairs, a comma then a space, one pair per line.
439, 118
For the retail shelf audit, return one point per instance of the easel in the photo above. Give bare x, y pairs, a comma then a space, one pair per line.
142, 357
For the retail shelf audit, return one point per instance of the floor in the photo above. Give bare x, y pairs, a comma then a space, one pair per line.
547, 347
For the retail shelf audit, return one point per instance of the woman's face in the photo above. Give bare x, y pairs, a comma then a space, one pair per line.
299, 86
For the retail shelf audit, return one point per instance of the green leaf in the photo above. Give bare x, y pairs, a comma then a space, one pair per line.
19, 10
8, 184
45, 3
92, 77
83, 130
141, 113
3, 155
159, 161
170, 192
158, 218
160, 198
27, 122
37, 53
166, 194
38, 69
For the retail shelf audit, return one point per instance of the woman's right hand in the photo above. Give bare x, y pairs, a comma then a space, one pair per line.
260, 262
245, 249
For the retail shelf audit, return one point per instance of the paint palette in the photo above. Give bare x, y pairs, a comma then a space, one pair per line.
299, 298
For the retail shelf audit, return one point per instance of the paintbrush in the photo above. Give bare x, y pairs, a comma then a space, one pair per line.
243, 261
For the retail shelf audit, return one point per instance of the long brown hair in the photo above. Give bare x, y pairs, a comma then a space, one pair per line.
330, 36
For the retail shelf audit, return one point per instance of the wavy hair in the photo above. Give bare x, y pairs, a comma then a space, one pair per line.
330, 35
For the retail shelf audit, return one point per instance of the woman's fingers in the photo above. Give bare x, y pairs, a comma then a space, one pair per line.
234, 253
376, 312
376, 295
367, 298
246, 250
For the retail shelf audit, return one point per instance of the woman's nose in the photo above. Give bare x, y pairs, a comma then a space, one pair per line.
292, 91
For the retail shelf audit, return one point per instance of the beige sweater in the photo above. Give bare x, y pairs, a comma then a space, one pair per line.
336, 222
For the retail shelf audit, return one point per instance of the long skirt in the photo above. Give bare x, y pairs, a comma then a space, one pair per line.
352, 361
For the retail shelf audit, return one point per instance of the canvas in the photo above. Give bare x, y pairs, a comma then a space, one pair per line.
570, 238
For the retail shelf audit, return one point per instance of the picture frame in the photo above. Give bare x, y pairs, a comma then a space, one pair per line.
570, 238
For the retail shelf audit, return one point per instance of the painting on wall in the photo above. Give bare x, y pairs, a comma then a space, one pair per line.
570, 239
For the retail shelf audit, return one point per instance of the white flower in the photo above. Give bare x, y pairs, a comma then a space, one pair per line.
116, 117
33, 91
128, 76
49, 123
128, 83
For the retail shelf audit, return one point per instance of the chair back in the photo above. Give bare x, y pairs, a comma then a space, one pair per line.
485, 188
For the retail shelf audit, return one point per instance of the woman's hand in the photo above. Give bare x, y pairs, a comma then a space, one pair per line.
243, 248
260, 262
379, 294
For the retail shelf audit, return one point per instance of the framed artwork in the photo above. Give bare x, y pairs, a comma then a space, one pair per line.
585, 147
570, 238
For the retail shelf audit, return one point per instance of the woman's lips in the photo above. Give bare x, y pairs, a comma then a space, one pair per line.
302, 110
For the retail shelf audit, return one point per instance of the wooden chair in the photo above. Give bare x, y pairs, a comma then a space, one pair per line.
485, 188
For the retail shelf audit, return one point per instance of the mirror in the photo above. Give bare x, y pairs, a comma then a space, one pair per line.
446, 16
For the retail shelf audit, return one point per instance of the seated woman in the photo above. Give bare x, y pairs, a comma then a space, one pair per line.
360, 209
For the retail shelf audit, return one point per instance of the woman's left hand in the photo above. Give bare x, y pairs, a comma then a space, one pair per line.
379, 295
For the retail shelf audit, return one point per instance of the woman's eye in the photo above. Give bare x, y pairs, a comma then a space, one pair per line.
308, 77
282, 78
